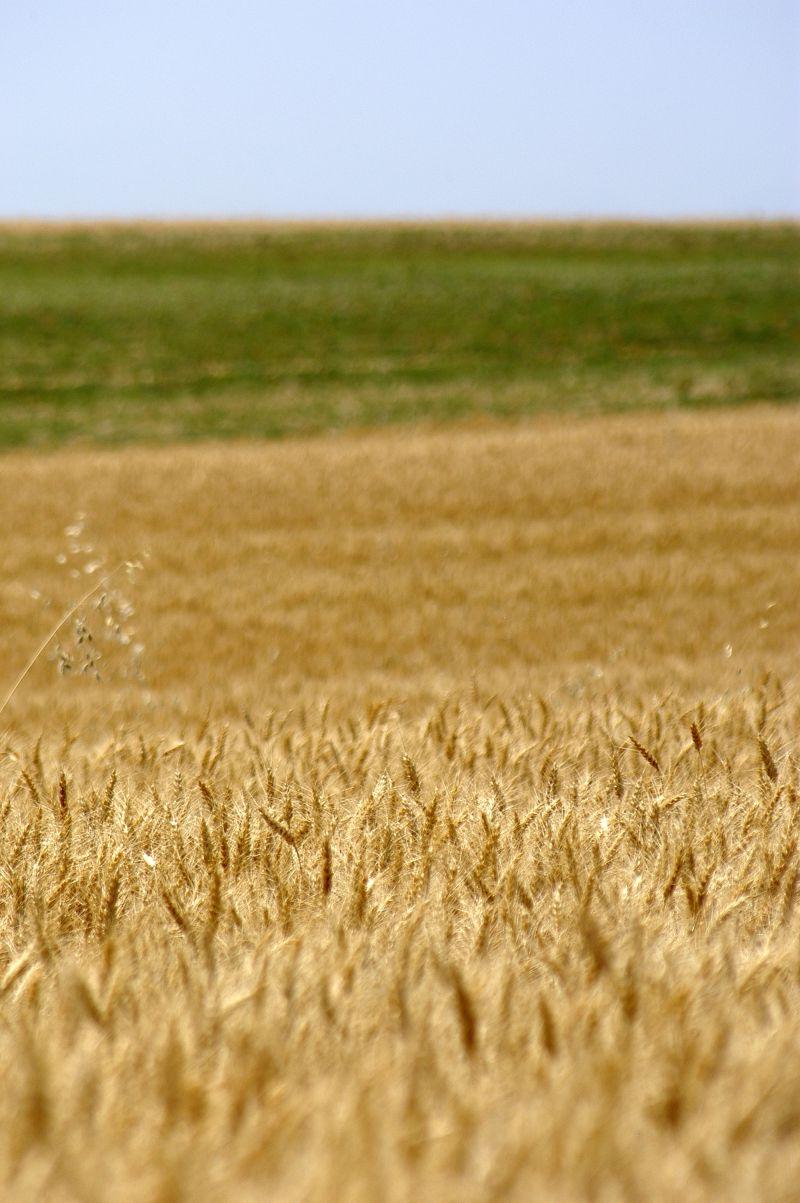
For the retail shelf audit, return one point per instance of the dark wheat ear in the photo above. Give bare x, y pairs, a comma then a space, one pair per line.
767, 760
646, 754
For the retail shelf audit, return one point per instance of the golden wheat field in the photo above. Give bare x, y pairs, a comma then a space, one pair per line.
445, 846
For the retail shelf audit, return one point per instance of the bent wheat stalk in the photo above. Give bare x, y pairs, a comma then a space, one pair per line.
54, 630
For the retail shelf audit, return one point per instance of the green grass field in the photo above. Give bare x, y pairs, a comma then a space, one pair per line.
112, 333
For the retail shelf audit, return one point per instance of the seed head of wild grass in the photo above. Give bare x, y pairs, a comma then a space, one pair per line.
99, 617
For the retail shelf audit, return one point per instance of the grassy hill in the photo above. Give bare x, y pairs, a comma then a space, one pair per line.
158, 332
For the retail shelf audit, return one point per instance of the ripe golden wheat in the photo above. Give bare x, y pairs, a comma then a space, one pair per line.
312, 916
506, 950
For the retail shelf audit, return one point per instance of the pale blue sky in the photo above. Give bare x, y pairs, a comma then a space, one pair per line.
399, 107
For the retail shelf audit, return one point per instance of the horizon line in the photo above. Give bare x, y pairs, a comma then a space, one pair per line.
410, 219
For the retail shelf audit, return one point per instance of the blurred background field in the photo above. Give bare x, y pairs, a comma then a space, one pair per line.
162, 332
622, 554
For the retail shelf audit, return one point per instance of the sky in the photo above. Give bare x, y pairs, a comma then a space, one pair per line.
399, 108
